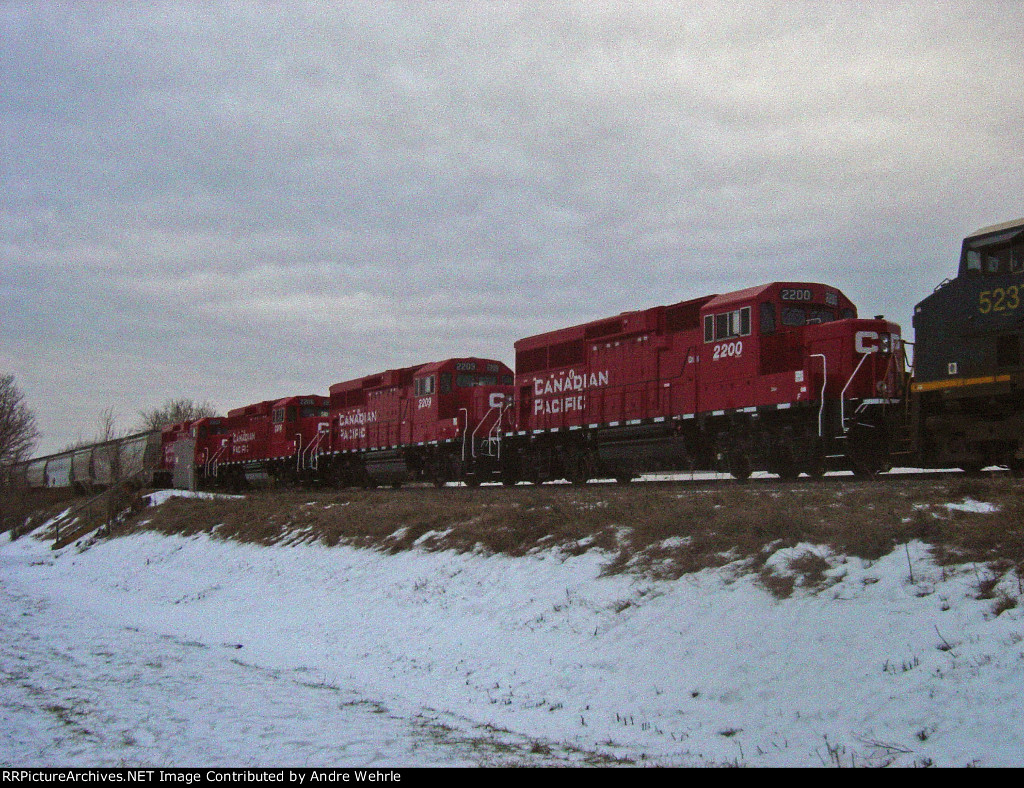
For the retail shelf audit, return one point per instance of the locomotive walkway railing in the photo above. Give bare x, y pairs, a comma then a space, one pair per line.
213, 464
477, 429
308, 458
842, 394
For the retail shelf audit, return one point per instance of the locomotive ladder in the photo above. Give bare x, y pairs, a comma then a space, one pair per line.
213, 463
491, 445
494, 434
308, 458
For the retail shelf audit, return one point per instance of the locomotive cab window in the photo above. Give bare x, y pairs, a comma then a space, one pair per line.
995, 256
727, 325
465, 381
796, 316
425, 386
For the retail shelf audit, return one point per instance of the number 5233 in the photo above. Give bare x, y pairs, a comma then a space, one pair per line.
999, 300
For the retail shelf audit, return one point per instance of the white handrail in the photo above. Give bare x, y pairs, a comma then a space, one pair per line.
842, 395
465, 428
476, 429
311, 449
824, 382
212, 463
494, 435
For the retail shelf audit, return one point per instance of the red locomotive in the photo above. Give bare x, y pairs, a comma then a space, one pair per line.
781, 377
436, 422
275, 439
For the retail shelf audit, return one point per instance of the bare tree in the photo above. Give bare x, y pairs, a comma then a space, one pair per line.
173, 411
18, 436
18, 431
107, 427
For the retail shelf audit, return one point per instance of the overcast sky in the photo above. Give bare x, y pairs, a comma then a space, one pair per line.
240, 201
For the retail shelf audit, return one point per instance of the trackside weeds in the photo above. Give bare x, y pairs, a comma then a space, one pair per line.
657, 532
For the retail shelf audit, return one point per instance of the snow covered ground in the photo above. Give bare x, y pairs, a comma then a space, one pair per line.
153, 650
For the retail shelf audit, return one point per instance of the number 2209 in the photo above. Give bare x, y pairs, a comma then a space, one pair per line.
999, 300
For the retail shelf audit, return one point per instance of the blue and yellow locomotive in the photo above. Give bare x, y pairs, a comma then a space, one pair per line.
968, 375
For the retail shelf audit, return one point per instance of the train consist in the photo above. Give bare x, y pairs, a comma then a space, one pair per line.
783, 377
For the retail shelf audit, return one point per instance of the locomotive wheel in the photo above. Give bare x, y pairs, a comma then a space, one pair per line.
863, 471
868, 451
440, 477
581, 467
789, 472
739, 466
815, 467
440, 471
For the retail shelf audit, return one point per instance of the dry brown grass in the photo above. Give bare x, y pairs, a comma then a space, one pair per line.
22, 510
651, 530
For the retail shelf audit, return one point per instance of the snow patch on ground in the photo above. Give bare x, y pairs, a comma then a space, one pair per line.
975, 507
162, 650
160, 496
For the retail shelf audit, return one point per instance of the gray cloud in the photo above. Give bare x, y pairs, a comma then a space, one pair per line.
234, 201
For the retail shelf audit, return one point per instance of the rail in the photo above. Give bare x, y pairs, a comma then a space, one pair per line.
493, 438
86, 517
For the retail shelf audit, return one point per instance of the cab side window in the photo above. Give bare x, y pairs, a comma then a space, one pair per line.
424, 386
727, 325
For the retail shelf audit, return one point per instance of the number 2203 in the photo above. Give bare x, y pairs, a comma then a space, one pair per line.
999, 300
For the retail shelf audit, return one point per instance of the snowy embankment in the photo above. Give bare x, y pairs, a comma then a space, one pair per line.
168, 651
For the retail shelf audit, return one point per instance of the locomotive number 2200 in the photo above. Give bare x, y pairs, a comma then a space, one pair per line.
727, 350
999, 300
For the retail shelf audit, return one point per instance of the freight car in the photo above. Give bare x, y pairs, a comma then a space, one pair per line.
783, 377
133, 458
968, 392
